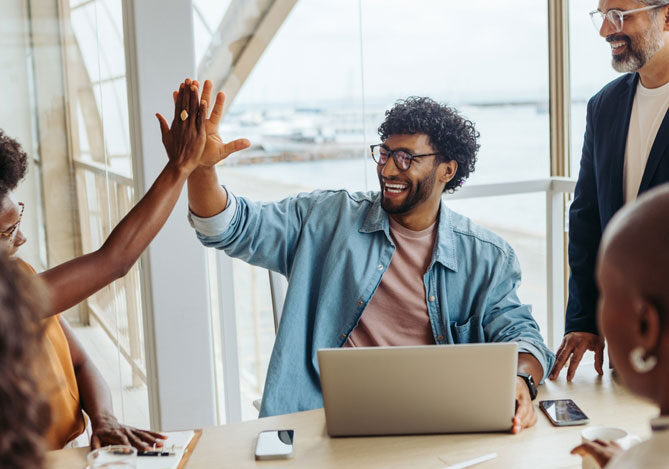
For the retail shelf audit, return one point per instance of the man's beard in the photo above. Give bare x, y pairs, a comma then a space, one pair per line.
423, 191
639, 50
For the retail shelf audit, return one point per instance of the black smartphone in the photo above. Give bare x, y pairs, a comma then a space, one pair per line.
563, 412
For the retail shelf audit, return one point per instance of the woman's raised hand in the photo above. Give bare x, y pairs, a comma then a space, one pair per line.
185, 139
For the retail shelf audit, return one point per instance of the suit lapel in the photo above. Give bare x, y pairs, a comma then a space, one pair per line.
657, 153
618, 139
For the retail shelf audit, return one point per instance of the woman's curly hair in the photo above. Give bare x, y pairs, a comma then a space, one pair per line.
24, 414
13, 163
452, 136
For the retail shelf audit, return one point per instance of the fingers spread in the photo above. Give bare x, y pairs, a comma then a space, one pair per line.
193, 106
206, 91
164, 128
185, 103
217, 110
236, 145
599, 360
136, 442
560, 359
147, 437
573, 363
178, 103
202, 118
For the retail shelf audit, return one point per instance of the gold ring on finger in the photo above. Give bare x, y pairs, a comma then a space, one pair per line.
184, 115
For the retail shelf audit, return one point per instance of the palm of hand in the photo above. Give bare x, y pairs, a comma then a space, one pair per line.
214, 147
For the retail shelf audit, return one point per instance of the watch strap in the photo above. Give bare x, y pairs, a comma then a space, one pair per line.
529, 381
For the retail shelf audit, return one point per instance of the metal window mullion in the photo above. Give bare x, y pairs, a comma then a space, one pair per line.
560, 139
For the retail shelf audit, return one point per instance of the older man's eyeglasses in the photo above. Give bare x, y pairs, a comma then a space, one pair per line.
10, 234
402, 158
617, 17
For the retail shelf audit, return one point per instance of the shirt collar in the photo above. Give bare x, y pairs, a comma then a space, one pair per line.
376, 219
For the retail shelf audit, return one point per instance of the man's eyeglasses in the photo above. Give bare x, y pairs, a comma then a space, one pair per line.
402, 158
10, 234
617, 17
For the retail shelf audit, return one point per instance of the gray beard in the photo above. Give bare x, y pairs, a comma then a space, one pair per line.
635, 58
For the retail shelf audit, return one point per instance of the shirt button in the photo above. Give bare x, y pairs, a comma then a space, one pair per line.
440, 338
380, 267
360, 302
343, 336
431, 298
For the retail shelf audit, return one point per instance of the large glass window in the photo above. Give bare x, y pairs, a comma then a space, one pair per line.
70, 112
314, 100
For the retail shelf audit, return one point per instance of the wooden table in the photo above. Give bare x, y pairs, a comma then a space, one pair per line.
543, 446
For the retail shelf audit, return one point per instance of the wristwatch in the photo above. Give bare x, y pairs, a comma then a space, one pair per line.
530, 384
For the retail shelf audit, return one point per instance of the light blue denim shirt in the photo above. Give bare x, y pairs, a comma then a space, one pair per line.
334, 246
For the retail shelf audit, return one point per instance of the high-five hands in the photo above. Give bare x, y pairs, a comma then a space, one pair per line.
185, 139
215, 150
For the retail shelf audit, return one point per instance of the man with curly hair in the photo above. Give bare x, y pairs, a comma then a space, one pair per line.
394, 267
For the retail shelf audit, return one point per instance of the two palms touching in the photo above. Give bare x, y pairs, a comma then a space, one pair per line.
215, 149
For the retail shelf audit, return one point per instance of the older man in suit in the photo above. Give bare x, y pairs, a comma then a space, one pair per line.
625, 153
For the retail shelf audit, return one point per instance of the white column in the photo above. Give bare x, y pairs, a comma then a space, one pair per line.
555, 266
177, 322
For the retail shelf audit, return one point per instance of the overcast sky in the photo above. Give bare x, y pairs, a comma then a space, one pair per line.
457, 51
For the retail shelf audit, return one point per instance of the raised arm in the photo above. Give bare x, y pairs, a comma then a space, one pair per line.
206, 197
75, 280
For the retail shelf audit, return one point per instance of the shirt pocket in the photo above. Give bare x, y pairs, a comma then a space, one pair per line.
468, 332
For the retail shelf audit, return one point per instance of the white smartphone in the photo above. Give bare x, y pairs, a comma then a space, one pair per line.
275, 444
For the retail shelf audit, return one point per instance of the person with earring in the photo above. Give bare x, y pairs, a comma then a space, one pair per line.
633, 316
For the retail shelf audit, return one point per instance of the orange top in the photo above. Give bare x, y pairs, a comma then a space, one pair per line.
58, 383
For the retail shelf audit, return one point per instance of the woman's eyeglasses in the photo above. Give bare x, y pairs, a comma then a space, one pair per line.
10, 234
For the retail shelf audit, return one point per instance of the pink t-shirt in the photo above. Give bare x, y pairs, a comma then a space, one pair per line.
397, 313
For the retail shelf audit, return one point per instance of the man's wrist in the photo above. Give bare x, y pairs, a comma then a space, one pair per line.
208, 172
529, 383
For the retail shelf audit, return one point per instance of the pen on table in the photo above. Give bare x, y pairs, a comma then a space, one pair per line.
471, 462
154, 453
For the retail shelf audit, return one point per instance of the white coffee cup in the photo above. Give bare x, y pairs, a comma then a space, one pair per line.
620, 436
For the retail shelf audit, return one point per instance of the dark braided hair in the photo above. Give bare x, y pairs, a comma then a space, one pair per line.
24, 414
452, 136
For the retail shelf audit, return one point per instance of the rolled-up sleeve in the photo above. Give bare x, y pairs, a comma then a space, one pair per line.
509, 320
214, 226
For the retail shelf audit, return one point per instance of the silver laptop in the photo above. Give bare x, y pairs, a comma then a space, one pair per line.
421, 389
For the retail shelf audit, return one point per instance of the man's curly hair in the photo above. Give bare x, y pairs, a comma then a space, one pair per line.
13, 163
24, 414
452, 136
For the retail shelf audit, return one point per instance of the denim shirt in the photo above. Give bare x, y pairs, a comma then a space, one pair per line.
334, 247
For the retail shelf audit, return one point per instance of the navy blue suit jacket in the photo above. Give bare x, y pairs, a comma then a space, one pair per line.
599, 190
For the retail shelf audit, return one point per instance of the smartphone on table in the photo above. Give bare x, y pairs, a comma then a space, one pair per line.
275, 444
563, 412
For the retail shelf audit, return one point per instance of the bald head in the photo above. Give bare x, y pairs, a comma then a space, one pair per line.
636, 244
